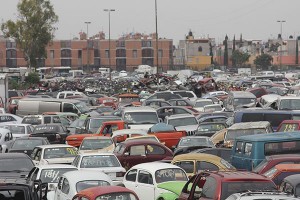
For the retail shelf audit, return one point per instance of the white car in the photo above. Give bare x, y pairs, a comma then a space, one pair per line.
105, 162
261, 195
49, 174
6, 139
10, 119
200, 103
146, 179
19, 130
213, 108
70, 183
97, 144
53, 154
183, 122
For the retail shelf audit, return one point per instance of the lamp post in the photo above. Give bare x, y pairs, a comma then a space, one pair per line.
156, 35
109, 64
87, 49
280, 54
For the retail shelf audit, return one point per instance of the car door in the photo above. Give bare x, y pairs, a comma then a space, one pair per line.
130, 180
145, 185
63, 193
8, 139
36, 155
134, 155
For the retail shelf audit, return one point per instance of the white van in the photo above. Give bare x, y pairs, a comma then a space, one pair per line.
64, 94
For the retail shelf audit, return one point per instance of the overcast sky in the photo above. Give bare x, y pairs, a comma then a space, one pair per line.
255, 19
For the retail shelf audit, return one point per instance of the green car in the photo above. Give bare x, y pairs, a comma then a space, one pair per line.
174, 188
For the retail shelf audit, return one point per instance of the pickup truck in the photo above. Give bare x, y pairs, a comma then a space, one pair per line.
169, 138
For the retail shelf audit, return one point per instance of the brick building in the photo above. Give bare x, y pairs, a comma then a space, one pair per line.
126, 52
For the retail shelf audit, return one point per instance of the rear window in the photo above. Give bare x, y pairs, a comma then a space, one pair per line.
276, 119
32, 120
48, 129
252, 117
289, 127
290, 147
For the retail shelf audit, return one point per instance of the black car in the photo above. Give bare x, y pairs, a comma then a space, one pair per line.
15, 165
224, 153
55, 133
27, 144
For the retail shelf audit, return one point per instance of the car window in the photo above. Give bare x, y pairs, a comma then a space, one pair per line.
61, 96
65, 186
56, 119
155, 150
137, 150
202, 165
239, 147
6, 118
47, 120
75, 161
188, 166
131, 175
180, 111
209, 188
145, 177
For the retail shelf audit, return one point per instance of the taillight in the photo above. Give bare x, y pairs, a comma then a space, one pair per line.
120, 174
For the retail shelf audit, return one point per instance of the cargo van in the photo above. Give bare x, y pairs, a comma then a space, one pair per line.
35, 106
249, 151
275, 117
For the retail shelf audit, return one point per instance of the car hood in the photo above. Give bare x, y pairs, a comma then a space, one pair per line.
172, 186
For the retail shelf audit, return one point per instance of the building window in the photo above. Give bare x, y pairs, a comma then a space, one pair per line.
51, 54
147, 53
148, 61
121, 53
134, 53
66, 53
97, 62
96, 53
79, 53
65, 44
120, 43
160, 53
146, 43
11, 53
11, 63
121, 64
106, 53
66, 62
200, 49
90, 44
10, 44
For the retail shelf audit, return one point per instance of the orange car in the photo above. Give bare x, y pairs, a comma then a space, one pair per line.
280, 171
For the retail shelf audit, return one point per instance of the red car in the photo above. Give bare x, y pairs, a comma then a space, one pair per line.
12, 105
106, 192
133, 152
271, 161
220, 185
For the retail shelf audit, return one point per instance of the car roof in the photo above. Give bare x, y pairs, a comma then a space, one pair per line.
154, 166
271, 137
293, 179
139, 109
249, 125
287, 97
288, 167
178, 116
145, 141
51, 100
130, 131
239, 175
95, 154
30, 138
80, 175
55, 166
196, 156
94, 192
242, 94
282, 156
206, 100
97, 138
54, 146
13, 155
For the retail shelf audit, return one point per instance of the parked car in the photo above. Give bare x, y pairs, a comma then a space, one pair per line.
280, 171
43, 119
183, 122
213, 118
131, 153
260, 195
27, 144
104, 162
220, 185
15, 165
150, 180
291, 185
55, 133
97, 144
194, 141
289, 126
181, 102
156, 103
209, 128
9, 119
224, 153
271, 161
213, 108
13, 104
200, 103
106, 192
165, 111
239, 99
6, 139
53, 154
19, 130
193, 163
49, 174
70, 183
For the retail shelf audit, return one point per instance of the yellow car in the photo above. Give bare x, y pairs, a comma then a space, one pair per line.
194, 163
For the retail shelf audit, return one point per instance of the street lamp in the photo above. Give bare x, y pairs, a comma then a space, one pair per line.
87, 49
109, 64
280, 54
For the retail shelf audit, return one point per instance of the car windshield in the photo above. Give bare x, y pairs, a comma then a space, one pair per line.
85, 184
105, 109
229, 188
232, 134
120, 148
261, 166
288, 127
92, 144
289, 104
210, 127
15, 129
26, 144
82, 107
32, 120
194, 141
46, 128
19, 164
52, 175
171, 174
128, 100
99, 161
60, 152
141, 117
203, 103
183, 121
117, 196
243, 101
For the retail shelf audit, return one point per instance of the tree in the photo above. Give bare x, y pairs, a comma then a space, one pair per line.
33, 29
32, 78
211, 53
239, 58
263, 61
233, 50
225, 51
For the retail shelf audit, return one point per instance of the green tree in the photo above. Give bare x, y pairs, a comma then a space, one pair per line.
211, 53
225, 51
33, 29
263, 61
32, 78
239, 58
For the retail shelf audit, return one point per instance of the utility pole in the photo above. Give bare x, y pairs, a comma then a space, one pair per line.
87, 41
156, 35
280, 53
109, 63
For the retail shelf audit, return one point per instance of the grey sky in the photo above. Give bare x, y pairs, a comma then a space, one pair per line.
255, 19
